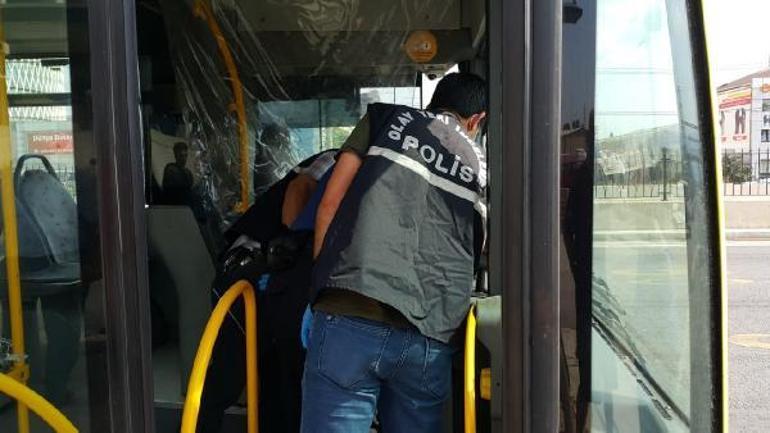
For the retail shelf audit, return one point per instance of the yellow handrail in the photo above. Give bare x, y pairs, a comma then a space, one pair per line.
202, 358
21, 371
38, 404
469, 387
203, 10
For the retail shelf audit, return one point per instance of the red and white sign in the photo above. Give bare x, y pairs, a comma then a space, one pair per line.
735, 98
49, 142
735, 118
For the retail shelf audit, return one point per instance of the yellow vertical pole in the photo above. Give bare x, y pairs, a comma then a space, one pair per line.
469, 386
203, 10
251, 360
11, 236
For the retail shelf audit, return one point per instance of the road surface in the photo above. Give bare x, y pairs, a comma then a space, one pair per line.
748, 265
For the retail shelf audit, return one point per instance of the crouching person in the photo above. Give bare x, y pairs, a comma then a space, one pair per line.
271, 247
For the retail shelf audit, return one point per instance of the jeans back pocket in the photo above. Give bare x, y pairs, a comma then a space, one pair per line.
350, 350
437, 370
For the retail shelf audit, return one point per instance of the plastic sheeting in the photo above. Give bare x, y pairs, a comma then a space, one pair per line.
302, 71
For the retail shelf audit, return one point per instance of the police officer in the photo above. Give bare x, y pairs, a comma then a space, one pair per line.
398, 234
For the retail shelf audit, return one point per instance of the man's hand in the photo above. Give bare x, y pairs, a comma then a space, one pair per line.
344, 171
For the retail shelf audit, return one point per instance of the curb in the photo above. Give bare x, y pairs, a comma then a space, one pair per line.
747, 234
676, 235
639, 235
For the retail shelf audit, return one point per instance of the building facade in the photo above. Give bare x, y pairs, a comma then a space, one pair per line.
744, 122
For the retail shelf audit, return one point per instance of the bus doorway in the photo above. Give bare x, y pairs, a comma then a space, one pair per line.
138, 131
234, 96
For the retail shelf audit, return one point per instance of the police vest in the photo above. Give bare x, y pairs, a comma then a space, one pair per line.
408, 231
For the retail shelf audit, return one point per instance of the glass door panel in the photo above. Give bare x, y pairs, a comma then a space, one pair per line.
51, 295
639, 265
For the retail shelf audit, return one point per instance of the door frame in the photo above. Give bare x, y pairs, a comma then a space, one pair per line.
525, 56
117, 133
525, 53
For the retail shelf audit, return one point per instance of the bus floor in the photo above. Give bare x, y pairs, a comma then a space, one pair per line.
169, 402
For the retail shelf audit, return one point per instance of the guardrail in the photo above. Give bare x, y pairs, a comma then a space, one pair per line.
30, 399
203, 356
635, 176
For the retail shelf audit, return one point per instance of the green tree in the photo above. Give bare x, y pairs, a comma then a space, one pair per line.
735, 169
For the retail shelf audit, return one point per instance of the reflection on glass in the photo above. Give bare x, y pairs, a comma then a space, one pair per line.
53, 170
632, 185
638, 143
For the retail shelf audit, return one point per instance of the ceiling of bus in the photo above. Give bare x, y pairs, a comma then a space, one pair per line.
36, 28
317, 37
360, 37
347, 15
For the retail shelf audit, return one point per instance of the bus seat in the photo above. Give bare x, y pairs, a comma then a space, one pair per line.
175, 242
47, 232
53, 208
49, 263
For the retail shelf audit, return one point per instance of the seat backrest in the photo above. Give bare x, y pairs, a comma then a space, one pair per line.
47, 214
34, 253
176, 243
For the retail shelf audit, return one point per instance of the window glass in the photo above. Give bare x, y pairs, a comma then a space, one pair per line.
636, 290
56, 346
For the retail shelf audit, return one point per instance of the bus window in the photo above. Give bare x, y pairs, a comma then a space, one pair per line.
52, 314
639, 335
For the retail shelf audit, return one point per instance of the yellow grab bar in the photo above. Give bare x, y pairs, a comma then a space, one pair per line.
203, 10
38, 404
469, 386
202, 358
21, 371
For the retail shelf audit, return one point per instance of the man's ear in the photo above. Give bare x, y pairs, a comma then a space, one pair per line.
474, 122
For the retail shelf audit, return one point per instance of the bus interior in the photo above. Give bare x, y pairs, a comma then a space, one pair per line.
307, 70
234, 93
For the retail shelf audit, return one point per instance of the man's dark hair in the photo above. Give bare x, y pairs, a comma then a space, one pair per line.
180, 145
461, 92
274, 135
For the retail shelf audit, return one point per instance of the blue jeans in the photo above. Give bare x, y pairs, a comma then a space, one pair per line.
356, 368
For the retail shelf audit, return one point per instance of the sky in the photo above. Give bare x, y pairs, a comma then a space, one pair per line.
635, 88
635, 81
738, 37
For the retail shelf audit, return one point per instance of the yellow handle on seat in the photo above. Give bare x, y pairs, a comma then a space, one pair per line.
32, 400
203, 356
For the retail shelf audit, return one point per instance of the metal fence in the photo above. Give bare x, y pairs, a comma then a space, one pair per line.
658, 177
746, 173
